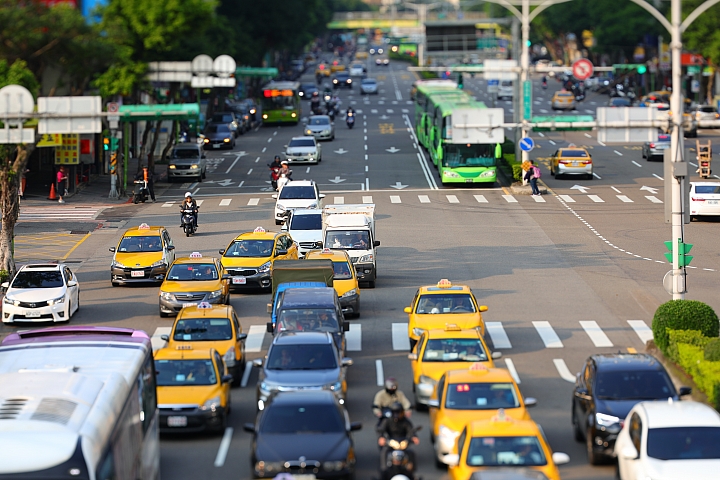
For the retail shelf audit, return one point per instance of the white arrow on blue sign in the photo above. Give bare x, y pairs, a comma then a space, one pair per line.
527, 144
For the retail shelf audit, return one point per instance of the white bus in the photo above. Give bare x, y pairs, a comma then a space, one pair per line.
78, 403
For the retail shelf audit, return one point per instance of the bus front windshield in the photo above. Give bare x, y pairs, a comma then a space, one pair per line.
278, 103
469, 155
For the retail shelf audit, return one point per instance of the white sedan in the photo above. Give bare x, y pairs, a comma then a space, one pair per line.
41, 293
669, 440
704, 199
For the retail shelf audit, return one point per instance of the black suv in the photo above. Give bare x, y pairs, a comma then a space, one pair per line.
606, 389
342, 79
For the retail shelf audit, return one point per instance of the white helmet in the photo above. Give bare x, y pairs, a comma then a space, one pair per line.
399, 477
188, 194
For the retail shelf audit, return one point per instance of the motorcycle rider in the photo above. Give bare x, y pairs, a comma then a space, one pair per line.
285, 170
275, 167
189, 203
397, 468
544, 82
315, 103
396, 427
385, 398
145, 175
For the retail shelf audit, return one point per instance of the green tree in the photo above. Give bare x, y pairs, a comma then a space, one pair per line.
703, 36
13, 161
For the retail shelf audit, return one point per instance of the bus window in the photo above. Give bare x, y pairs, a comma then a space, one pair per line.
468, 155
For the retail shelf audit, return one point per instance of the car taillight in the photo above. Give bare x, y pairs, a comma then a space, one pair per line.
587, 162
694, 199
563, 162
652, 145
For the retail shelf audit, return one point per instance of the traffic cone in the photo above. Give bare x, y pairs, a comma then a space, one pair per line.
53, 195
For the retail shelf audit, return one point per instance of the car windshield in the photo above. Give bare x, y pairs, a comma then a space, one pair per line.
348, 239
707, 188
185, 153
469, 156
707, 109
357, 65
173, 373
218, 129
621, 102
306, 222
319, 121
445, 303
504, 451
684, 443
574, 154
307, 320
192, 271
202, 329
250, 248
564, 94
294, 419
140, 244
301, 142
481, 396
222, 118
369, 81
633, 385
301, 357
341, 271
307, 86
36, 279
506, 83
297, 193
454, 350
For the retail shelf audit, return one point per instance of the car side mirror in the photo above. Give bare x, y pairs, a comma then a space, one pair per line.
274, 196
280, 251
412, 356
582, 393
203, 156
496, 355
376, 243
249, 427
171, 247
355, 426
221, 251
322, 195
257, 362
226, 276
227, 378
112, 249
407, 310
72, 283
483, 308
270, 327
269, 308
5, 285
684, 391
432, 403
560, 458
165, 337
285, 146
628, 452
451, 459
241, 337
530, 402
347, 362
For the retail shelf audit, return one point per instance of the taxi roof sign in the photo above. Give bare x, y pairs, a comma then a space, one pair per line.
444, 283
452, 327
203, 305
144, 226
325, 251
501, 416
259, 230
478, 367
196, 255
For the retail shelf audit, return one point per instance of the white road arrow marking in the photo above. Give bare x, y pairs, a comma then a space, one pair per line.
649, 189
398, 185
581, 188
392, 149
341, 151
225, 183
384, 117
337, 179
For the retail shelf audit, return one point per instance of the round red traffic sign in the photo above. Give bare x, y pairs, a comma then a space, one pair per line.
582, 69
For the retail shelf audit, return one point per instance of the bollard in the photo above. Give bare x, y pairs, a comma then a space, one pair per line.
113, 187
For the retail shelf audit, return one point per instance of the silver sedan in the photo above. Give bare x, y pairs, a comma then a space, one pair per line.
320, 127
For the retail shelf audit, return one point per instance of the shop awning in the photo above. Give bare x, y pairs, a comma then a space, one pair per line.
172, 111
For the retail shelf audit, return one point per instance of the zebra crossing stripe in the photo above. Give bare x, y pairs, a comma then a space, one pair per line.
225, 202
624, 198
168, 204
353, 338
255, 338
641, 329
339, 200
395, 199
424, 199
367, 199
653, 199
538, 199
596, 199
596, 334
548, 335
510, 199
253, 201
199, 202
497, 335
400, 340
513, 372
480, 198
452, 199
563, 370
567, 198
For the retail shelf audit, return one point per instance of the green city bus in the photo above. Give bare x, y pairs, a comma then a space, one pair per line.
425, 94
280, 102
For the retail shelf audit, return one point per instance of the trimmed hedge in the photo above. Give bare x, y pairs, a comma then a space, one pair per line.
689, 337
683, 315
712, 350
688, 348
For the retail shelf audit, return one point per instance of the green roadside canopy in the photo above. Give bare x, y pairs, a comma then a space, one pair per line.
564, 120
172, 111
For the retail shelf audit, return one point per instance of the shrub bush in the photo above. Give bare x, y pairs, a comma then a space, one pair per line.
4, 276
712, 350
689, 337
683, 315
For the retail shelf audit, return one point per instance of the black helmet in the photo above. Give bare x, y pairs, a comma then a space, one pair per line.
277, 157
397, 409
391, 385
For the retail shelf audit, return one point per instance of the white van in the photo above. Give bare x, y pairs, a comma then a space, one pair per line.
505, 89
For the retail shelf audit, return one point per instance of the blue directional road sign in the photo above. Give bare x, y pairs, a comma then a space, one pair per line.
527, 144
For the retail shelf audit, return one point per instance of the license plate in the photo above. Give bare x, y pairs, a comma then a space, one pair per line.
137, 273
189, 304
177, 421
661, 147
713, 202
468, 180
32, 314
239, 280
575, 164
216, 146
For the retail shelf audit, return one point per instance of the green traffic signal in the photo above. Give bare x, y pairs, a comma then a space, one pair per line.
683, 249
642, 69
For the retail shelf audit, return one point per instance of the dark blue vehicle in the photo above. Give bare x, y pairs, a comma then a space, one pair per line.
287, 286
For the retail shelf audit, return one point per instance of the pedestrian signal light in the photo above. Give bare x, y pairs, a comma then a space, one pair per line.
642, 69
683, 249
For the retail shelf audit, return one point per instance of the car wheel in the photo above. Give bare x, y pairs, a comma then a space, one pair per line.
68, 315
593, 457
114, 284
577, 431
199, 178
590, 176
278, 222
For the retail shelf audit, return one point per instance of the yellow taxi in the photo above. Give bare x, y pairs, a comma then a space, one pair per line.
323, 69
434, 306
344, 278
571, 161
143, 254
474, 393
563, 100
337, 66
502, 443
249, 257
193, 389
443, 349
191, 280
361, 55
217, 327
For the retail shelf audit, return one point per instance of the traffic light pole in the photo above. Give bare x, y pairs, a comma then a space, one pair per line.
677, 148
524, 67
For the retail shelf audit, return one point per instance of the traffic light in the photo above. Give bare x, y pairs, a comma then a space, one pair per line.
106, 144
642, 69
683, 249
460, 80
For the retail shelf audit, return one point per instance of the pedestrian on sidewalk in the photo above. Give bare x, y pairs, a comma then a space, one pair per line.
62, 180
532, 175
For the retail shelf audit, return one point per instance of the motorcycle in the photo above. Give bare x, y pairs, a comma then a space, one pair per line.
350, 120
402, 445
274, 176
282, 181
188, 221
141, 192
544, 85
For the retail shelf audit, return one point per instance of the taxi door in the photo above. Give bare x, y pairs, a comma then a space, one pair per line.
221, 273
168, 248
285, 248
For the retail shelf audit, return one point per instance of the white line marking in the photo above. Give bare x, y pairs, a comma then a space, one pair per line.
596, 334
196, 190
587, 134
510, 199
538, 198
563, 370
480, 198
636, 164
353, 338
241, 184
601, 143
395, 199
597, 176
168, 204
618, 191
691, 163
366, 168
400, 340
551, 142
624, 198
199, 202
658, 177
421, 158
225, 202
424, 199
567, 198
233, 164
497, 335
253, 201
367, 184
641, 328
269, 139
264, 149
224, 447
379, 373
653, 199
548, 335
618, 153
596, 199
511, 368
367, 199
452, 199
250, 171
246, 374
254, 340
156, 341
541, 134
257, 159
339, 200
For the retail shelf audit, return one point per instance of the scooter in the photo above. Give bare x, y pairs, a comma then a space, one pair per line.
402, 445
188, 221
274, 176
282, 181
141, 192
350, 120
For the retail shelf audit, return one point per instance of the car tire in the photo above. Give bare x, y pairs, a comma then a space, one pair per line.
590, 176
593, 457
577, 431
199, 178
114, 284
278, 222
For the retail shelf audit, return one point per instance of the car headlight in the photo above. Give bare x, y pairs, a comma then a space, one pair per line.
11, 301
312, 205
350, 293
335, 387
449, 433
326, 132
366, 258
418, 331
229, 357
280, 207
55, 301
487, 173
171, 167
450, 173
159, 263
269, 467
167, 296
216, 293
211, 404
426, 379
226, 140
349, 80
117, 264
193, 167
265, 267
308, 132
604, 420
333, 466
267, 387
